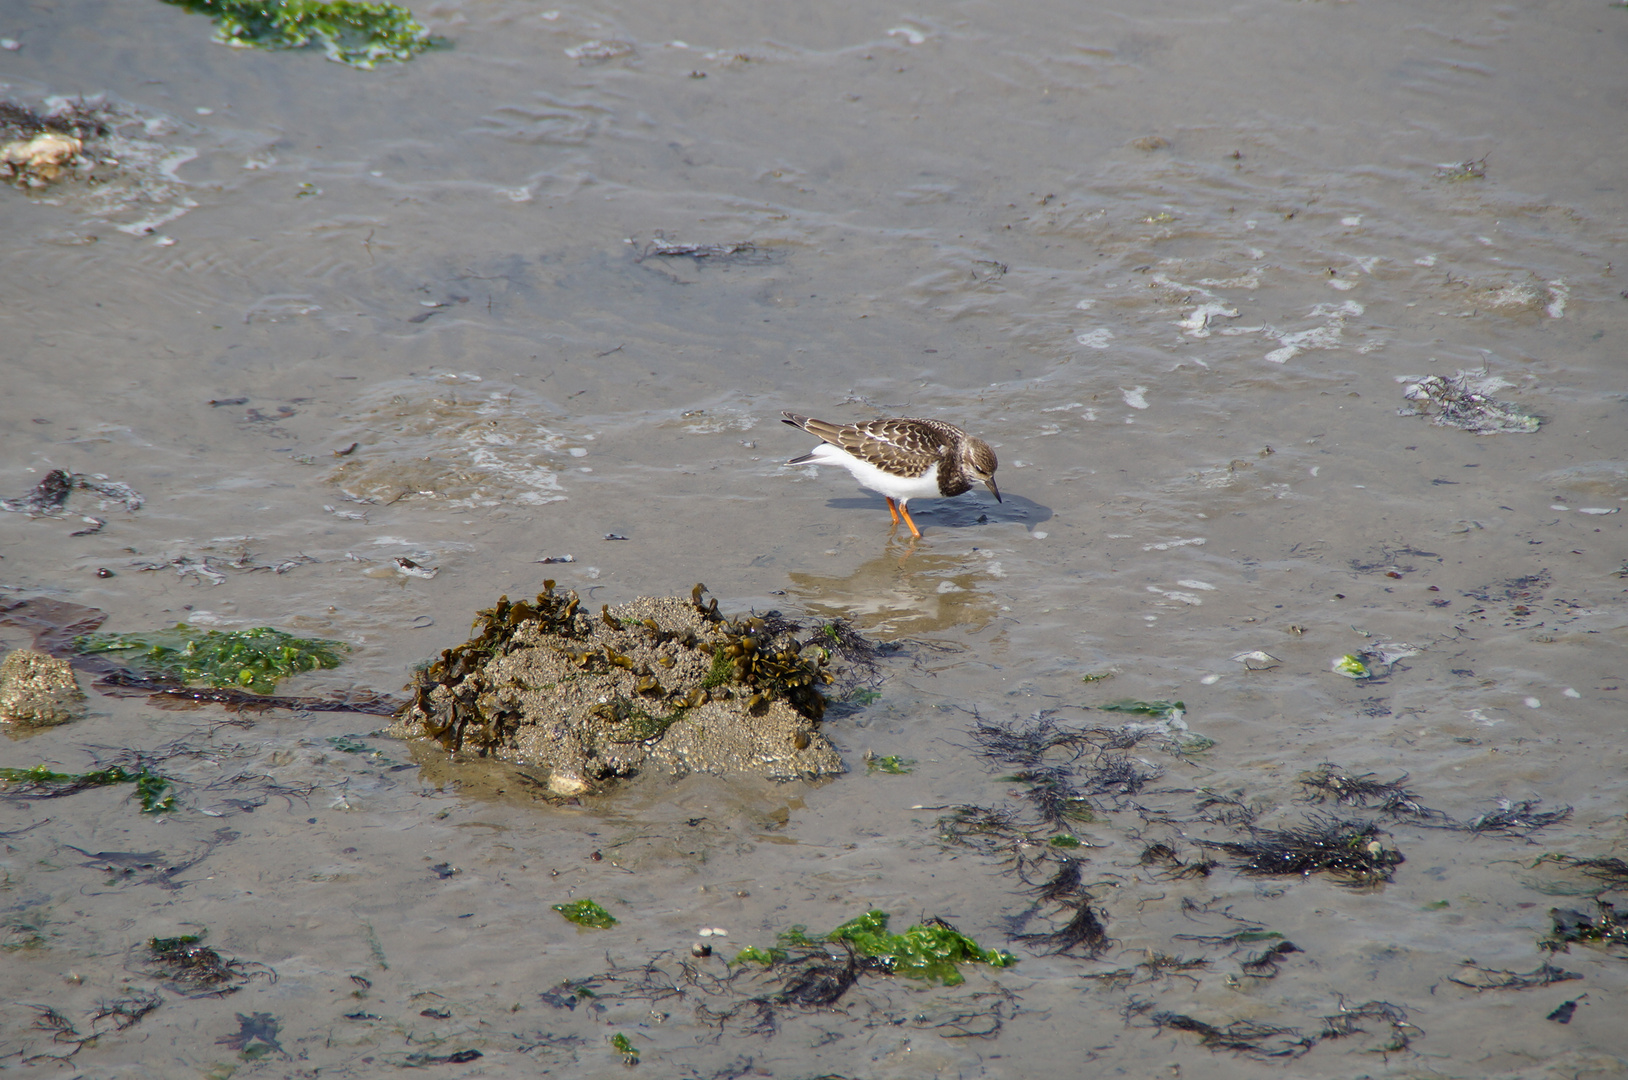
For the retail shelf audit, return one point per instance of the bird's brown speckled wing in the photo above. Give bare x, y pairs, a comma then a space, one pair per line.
904, 446
907, 447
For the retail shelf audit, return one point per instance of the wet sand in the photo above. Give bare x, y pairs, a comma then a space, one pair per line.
1176, 264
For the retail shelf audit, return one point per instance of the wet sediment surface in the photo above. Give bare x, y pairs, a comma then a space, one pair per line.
1180, 267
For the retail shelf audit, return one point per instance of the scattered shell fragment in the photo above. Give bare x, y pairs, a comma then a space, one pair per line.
1390, 652
567, 784
43, 157
1256, 660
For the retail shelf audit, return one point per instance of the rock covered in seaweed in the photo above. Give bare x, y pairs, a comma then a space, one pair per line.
660, 683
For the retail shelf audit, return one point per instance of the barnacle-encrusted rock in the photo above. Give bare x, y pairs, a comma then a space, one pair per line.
660, 683
38, 689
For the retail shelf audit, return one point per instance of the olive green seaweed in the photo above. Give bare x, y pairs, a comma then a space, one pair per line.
355, 32
624, 1046
42, 776
1164, 710
1251, 937
375, 947
168, 946
152, 790
254, 659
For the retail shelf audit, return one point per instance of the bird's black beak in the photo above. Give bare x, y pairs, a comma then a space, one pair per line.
992, 487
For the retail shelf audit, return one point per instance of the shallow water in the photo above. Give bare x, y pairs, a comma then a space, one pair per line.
1176, 264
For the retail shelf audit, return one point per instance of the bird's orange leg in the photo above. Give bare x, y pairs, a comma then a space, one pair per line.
892, 509
913, 530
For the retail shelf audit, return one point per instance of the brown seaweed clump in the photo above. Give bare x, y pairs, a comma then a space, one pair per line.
660, 683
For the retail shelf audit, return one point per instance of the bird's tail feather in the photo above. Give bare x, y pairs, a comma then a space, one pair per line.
831, 433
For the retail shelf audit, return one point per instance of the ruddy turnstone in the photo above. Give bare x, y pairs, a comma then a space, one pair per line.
902, 459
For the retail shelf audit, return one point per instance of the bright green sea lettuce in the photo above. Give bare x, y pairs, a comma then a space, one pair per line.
252, 659
355, 32
587, 913
1351, 666
931, 951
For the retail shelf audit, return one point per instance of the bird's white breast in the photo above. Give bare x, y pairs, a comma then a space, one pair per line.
869, 476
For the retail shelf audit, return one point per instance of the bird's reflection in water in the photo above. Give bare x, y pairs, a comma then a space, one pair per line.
902, 592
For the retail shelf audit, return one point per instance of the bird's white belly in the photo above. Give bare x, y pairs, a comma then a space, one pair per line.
869, 476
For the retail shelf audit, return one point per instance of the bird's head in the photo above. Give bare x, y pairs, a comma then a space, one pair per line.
979, 462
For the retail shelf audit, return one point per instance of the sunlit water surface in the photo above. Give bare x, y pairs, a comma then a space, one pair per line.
1177, 263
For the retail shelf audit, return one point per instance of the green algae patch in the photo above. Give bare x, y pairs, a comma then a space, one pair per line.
254, 659
892, 764
587, 913
1253, 937
1351, 666
40, 782
153, 792
355, 32
1163, 710
931, 951
624, 1046
722, 670
42, 777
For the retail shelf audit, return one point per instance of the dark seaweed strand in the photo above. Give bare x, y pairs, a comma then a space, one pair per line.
1348, 850
1084, 931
